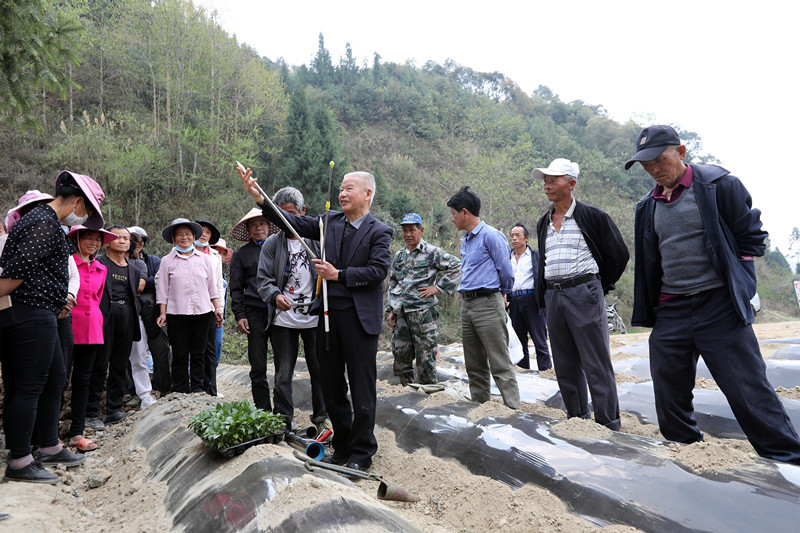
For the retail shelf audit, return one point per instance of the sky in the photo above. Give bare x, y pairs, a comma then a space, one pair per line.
725, 70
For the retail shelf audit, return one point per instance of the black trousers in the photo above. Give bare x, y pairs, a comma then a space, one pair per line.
705, 324
257, 355
351, 359
33, 377
285, 345
188, 335
113, 359
84, 356
67, 341
210, 365
525, 318
158, 342
576, 320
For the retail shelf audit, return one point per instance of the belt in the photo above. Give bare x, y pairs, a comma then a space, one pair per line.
522, 292
571, 282
120, 302
469, 295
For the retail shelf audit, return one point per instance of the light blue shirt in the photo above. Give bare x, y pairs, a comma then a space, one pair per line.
485, 262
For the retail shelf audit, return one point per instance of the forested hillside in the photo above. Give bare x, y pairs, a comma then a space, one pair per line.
158, 102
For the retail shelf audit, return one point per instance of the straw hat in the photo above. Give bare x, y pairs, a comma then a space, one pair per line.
239, 231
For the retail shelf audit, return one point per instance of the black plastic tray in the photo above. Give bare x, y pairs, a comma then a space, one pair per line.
238, 449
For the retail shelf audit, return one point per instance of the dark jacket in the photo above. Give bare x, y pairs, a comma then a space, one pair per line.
732, 231
365, 267
272, 272
153, 263
603, 238
133, 281
243, 284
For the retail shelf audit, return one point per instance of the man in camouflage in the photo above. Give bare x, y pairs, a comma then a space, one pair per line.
411, 305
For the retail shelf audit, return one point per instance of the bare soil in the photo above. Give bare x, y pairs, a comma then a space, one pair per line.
112, 492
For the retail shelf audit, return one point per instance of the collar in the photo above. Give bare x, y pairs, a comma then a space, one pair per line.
357, 222
174, 253
686, 182
419, 246
569, 212
526, 252
477, 229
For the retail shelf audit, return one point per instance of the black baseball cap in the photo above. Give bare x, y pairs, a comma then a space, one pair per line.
652, 142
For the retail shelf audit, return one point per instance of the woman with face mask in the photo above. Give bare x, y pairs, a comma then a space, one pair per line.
33, 291
188, 303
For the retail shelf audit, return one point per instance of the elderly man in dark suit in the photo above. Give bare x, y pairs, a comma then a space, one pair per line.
357, 260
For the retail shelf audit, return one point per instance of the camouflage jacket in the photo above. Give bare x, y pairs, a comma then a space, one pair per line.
420, 268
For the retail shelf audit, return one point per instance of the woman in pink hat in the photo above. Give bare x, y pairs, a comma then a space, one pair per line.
87, 326
33, 291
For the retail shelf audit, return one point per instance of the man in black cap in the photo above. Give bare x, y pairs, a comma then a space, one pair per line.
696, 236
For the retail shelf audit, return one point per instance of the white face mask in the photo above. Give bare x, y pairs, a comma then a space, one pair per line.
73, 220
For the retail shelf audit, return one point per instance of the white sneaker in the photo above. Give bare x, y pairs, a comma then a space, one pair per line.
147, 401
219, 395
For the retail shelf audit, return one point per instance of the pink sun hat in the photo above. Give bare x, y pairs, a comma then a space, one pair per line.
222, 247
91, 189
107, 235
30, 197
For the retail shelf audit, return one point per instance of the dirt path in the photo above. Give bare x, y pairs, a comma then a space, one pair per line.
111, 492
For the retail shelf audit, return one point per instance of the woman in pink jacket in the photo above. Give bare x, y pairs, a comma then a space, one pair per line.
87, 326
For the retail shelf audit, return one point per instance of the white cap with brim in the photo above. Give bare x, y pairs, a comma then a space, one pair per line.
559, 167
139, 231
167, 232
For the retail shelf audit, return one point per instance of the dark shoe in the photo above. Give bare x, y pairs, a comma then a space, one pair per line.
114, 416
335, 459
95, 423
355, 466
64, 458
35, 472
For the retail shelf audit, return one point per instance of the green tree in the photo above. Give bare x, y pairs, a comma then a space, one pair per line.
36, 47
322, 66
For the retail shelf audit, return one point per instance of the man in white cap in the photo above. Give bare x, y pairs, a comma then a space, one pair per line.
582, 256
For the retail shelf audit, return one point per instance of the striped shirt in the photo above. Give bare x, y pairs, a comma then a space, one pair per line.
566, 254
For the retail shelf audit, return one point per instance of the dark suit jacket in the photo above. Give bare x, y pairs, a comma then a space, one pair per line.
133, 280
366, 265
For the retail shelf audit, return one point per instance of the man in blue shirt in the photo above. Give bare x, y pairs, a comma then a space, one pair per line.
486, 275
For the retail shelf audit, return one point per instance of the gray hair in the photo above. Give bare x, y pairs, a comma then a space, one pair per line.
367, 181
289, 195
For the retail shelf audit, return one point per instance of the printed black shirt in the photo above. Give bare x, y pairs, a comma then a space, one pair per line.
37, 252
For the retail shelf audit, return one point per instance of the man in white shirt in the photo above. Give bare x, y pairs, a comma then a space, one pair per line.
526, 316
287, 282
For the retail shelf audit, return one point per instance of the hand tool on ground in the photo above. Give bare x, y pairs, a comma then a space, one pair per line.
385, 490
